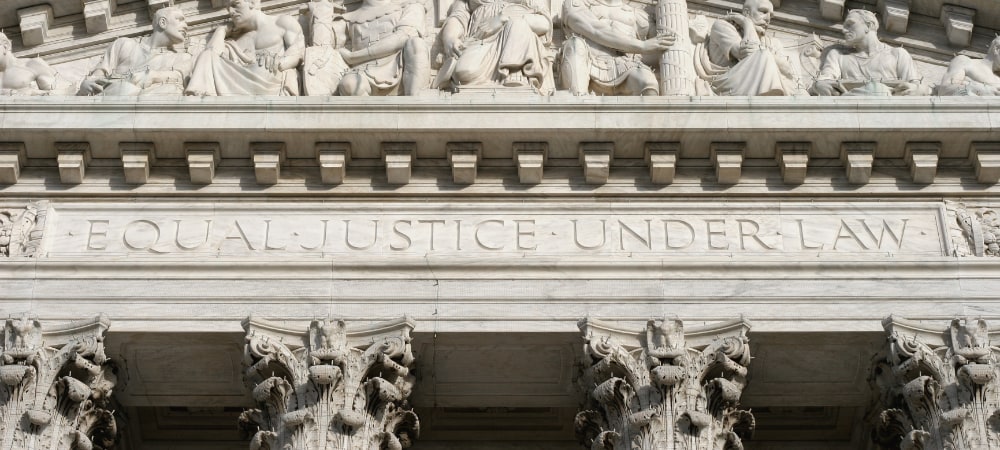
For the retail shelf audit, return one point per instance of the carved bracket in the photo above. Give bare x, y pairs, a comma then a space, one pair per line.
55, 386
662, 160
330, 387
21, 230
936, 387
666, 387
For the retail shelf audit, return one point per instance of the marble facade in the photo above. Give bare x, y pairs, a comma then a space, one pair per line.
499, 261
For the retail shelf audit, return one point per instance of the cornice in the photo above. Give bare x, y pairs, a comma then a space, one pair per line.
960, 131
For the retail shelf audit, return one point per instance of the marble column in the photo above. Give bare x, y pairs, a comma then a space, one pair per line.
55, 386
330, 386
664, 387
936, 387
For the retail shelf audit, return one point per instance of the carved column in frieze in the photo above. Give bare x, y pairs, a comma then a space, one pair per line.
936, 387
664, 388
21, 229
55, 386
330, 387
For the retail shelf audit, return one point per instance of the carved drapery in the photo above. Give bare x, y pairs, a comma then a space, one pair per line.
331, 387
664, 388
55, 386
936, 388
21, 230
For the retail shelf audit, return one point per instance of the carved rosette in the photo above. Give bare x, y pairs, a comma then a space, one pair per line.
331, 387
936, 388
975, 231
21, 230
55, 387
665, 388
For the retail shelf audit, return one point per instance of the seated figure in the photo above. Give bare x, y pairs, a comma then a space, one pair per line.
384, 48
974, 77
156, 65
496, 42
738, 58
256, 54
23, 76
865, 65
605, 42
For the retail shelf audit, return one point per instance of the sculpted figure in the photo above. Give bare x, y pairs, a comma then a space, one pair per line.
605, 42
739, 59
865, 65
975, 77
384, 47
157, 65
23, 76
496, 42
256, 54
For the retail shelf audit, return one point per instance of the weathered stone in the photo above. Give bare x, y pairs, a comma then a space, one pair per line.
340, 386
935, 387
665, 388
60, 381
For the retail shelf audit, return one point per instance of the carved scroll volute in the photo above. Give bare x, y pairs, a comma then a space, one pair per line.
55, 386
330, 386
665, 387
936, 387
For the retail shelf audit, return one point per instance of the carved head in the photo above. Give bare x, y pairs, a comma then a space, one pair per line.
171, 22
23, 333
858, 25
993, 53
5, 44
242, 12
759, 11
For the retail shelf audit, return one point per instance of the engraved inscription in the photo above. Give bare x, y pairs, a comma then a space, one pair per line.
424, 233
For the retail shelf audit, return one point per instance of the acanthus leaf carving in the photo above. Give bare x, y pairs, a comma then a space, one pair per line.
665, 388
56, 386
21, 230
975, 231
936, 387
330, 387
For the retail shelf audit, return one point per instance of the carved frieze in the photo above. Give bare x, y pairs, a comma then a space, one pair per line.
936, 387
665, 388
21, 230
330, 386
974, 230
55, 386
506, 49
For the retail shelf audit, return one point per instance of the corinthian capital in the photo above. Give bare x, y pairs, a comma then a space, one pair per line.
664, 387
55, 386
936, 386
331, 386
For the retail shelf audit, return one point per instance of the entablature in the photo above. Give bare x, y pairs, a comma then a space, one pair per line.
906, 139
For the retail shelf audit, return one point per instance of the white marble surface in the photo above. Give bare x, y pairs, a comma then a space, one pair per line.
542, 279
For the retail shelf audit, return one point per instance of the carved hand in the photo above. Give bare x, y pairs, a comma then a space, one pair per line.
911, 89
92, 86
456, 48
743, 21
826, 87
659, 43
748, 48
